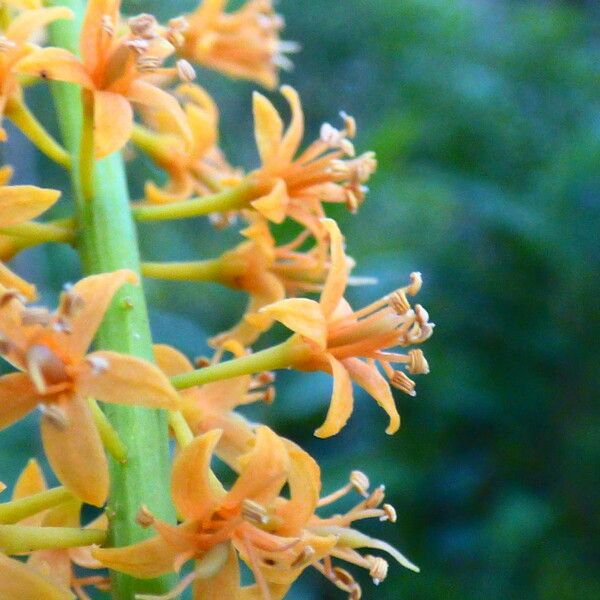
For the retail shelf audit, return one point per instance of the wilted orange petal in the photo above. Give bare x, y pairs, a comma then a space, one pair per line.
75, 452
263, 471
31, 481
295, 131
342, 400
19, 203
113, 122
96, 293
17, 398
150, 558
301, 315
337, 278
371, 380
268, 127
113, 377
224, 585
273, 205
56, 64
20, 582
195, 491
25, 24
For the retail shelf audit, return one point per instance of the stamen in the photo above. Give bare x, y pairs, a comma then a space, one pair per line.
360, 482
346, 581
143, 26
254, 513
70, 303
304, 557
6, 44
54, 414
401, 381
398, 301
378, 568
99, 364
390, 513
185, 71
10, 295
417, 364
147, 64
6, 347
416, 281
349, 124
334, 138
138, 45
44, 367
144, 517
108, 25
35, 316
376, 497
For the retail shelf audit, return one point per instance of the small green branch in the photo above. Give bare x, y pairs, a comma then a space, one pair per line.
17, 510
15, 539
21, 116
233, 198
202, 270
40, 233
181, 430
108, 434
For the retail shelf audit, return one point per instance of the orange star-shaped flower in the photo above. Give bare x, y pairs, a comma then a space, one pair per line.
58, 376
114, 71
337, 339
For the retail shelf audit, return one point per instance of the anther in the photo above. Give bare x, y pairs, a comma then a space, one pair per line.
416, 281
147, 64
107, 25
360, 482
401, 381
378, 568
390, 513
254, 513
10, 295
349, 124
70, 303
185, 71
201, 362
6, 346
304, 557
99, 364
266, 377
35, 316
144, 517
417, 364
376, 497
143, 26
178, 24
55, 415
138, 45
269, 395
397, 300
6, 44
44, 367
345, 581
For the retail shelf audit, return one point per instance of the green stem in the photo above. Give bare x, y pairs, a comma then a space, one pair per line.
39, 233
15, 539
230, 199
109, 242
20, 115
202, 270
109, 436
17, 510
277, 357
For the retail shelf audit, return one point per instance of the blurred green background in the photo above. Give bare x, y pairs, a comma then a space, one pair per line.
485, 117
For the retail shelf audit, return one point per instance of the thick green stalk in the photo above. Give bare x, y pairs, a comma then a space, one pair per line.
108, 241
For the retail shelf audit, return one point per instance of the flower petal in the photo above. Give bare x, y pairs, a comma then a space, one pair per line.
268, 127
195, 490
75, 452
171, 361
122, 379
19, 203
20, 582
25, 24
337, 278
55, 563
56, 64
96, 293
31, 481
224, 584
302, 315
17, 398
150, 558
12, 281
264, 470
342, 400
273, 205
113, 122
373, 382
295, 131
92, 31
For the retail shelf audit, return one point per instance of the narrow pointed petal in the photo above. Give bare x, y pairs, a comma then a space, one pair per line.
17, 398
373, 382
25, 24
31, 481
342, 400
11, 280
301, 315
264, 470
295, 131
337, 278
122, 379
273, 205
75, 452
225, 584
19, 203
92, 30
193, 487
171, 361
96, 293
20, 582
268, 128
113, 122
55, 64
150, 558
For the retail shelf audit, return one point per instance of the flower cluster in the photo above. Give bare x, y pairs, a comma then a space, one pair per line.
113, 455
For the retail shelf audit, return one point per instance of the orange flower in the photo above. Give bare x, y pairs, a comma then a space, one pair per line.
14, 46
244, 43
295, 186
58, 564
58, 377
114, 71
335, 339
196, 170
19, 203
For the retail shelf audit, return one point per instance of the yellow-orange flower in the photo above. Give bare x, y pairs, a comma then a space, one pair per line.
243, 43
193, 170
326, 171
19, 203
58, 377
114, 70
349, 344
14, 46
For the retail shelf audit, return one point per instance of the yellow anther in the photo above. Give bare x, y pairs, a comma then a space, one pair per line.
417, 364
378, 568
390, 513
360, 482
254, 513
397, 300
401, 381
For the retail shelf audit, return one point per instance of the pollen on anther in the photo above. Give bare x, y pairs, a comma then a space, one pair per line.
99, 364
360, 482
